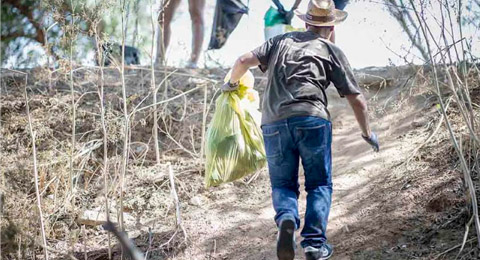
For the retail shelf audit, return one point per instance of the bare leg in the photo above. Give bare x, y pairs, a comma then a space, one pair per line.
164, 19
196, 8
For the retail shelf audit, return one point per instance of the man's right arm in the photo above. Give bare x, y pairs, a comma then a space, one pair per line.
359, 106
341, 74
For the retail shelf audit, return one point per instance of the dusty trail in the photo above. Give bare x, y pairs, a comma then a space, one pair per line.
236, 221
382, 208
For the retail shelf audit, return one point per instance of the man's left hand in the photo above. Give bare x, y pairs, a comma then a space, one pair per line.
227, 86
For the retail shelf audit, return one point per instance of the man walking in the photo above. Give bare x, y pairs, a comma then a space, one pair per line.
296, 123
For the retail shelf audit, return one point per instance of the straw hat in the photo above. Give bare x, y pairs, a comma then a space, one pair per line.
322, 13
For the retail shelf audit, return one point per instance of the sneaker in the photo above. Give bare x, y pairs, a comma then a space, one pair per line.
286, 240
322, 253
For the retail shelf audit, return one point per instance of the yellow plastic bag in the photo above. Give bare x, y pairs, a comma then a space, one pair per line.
234, 142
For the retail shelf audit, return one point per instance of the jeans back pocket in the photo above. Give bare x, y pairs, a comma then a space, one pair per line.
273, 147
313, 136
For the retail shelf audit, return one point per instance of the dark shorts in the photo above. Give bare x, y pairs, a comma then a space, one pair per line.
340, 4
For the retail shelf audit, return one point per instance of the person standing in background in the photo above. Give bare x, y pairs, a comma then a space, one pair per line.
339, 4
196, 10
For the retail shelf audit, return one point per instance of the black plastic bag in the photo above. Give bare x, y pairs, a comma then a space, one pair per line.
227, 16
112, 54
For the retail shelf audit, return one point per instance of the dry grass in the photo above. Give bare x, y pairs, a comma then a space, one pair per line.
147, 184
151, 211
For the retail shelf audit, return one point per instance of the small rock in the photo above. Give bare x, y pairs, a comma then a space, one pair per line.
97, 218
197, 81
228, 185
345, 229
140, 149
196, 201
418, 123
92, 218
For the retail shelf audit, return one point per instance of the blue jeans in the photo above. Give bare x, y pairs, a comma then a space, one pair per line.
286, 141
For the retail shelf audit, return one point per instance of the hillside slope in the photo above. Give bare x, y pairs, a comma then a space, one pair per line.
401, 203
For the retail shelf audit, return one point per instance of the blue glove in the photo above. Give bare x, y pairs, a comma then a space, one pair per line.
227, 86
373, 141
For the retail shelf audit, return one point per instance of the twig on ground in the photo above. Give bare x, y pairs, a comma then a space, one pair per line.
178, 143
179, 223
35, 171
451, 249
150, 242
86, 149
169, 99
467, 229
184, 110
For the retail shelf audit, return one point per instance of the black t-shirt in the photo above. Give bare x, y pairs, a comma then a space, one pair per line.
300, 67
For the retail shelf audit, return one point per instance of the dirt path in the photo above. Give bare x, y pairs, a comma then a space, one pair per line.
382, 208
236, 221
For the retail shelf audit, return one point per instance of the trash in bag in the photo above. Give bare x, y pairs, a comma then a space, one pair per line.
277, 15
227, 16
274, 23
277, 21
234, 141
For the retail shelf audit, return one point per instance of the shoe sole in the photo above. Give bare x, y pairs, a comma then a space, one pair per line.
285, 244
321, 258
327, 257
